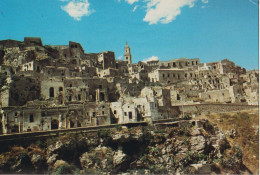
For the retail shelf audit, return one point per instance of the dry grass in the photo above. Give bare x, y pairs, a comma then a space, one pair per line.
246, 124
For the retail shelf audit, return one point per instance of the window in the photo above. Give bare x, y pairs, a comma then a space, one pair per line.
69, 98
100, 86
31, 118
102, 96
130, 115
174, 64
38, 69
178, 97
70, 85
125, 114
60, 89
94, 114
51, 92
79, 97
114, 111
103, 112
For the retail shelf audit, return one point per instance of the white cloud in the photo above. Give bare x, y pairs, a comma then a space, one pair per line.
77, 9
203, 7
152, 58
131, 1
205, 1
165, 11
120, 57
134, 9
255, 2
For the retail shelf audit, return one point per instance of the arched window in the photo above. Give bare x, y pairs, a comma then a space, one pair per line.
60, 89
51, 92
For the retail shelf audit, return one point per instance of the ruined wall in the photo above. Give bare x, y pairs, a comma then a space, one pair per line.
23, 89
214, 108
223, 95
50, 88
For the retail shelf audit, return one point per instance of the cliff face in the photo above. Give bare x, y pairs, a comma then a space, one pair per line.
192, 146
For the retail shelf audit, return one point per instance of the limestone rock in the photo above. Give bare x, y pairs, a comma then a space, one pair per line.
51, 159
119, 158
120, 136
196, 132
198, 143
38, 162
59, 163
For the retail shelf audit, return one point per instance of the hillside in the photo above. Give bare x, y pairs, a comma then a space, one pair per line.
241, 128
185, 147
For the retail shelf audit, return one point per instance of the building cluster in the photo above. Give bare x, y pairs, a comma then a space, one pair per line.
47, 87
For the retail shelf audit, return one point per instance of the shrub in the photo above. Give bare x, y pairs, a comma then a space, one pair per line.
234, 161
194, 157
66, 169
23, 155
187, 117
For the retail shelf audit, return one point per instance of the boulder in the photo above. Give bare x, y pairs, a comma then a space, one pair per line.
196, 132
51, 159
59, 163
198, 143
119, 158
39, 162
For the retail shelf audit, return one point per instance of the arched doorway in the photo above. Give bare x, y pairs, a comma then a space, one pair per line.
60, 99
71, 124
54, 124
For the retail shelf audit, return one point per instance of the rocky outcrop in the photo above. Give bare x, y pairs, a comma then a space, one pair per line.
186, 147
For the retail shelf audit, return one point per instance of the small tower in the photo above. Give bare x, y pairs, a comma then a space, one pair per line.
127, 55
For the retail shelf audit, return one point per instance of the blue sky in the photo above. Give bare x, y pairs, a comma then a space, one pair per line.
211, 30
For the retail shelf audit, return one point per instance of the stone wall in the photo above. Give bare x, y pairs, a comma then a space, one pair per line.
214, 108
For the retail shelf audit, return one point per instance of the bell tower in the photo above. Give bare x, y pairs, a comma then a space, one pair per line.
127, 55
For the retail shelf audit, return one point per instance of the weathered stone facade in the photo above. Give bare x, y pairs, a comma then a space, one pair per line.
58, 87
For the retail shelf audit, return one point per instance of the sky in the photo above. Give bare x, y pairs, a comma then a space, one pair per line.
211, 30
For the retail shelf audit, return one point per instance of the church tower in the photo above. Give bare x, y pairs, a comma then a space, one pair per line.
127, 55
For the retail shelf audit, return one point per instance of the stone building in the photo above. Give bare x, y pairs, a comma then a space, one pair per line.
58, 87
